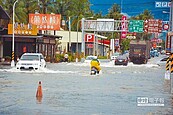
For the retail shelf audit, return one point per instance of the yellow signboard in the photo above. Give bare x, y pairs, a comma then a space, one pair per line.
22, 29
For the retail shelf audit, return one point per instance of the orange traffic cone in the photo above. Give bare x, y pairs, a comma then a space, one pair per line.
39, 90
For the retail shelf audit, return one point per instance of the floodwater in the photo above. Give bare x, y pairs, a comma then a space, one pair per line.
69, 89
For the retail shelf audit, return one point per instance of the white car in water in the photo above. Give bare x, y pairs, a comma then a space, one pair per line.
115, 55
90, 58
33, 61
162, 61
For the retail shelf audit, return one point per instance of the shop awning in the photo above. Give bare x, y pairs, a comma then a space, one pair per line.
4, 14
51, 36
19, 36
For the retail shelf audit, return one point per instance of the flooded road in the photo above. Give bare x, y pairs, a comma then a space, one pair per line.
69, 89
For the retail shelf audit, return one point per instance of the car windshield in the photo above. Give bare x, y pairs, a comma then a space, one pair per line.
116, 54
121, 57
164, 59
90, 58
30, 57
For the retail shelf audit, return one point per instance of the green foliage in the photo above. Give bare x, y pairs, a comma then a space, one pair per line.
59, 57
114, 12
125, 44
70, 57
102, 57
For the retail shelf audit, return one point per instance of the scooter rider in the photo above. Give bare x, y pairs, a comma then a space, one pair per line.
95, 63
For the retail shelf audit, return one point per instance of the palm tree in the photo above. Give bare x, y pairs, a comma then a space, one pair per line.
114, 12
20, 14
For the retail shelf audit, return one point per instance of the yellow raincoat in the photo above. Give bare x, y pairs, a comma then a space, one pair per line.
95, 63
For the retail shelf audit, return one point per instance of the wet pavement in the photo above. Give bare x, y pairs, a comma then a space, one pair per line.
69, 89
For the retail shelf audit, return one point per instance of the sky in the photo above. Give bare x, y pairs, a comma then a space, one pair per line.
132, 7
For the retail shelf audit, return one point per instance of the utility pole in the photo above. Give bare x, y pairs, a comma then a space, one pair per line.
69, 24
171, 22
12, 55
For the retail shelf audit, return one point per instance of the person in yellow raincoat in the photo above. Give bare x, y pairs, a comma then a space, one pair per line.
95, 63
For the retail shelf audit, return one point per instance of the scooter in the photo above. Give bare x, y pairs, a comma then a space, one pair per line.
94, 71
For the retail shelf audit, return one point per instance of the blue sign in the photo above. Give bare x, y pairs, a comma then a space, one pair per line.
160, 4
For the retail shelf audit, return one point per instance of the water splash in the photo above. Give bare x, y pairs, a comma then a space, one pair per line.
41, 70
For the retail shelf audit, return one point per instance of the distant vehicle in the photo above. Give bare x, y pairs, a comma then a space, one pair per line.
89, 58
139, 51
121, 60
154, 53
163, 52
126, 53
115, 55
30, 61
162, 61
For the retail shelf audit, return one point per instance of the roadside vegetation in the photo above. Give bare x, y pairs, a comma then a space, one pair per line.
76, 9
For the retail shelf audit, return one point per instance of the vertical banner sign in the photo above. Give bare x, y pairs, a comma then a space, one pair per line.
124, 27
89, 37
46, 21
116, 42
112, 44
168, 42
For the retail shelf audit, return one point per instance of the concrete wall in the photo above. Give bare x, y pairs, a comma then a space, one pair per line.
65, 38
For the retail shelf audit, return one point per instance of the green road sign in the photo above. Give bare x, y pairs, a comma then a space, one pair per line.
136, 26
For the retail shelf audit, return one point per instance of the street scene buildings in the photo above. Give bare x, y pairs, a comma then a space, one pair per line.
64, 58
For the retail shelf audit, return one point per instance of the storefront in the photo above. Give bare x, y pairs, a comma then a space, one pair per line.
45, 44
26, 39
4, 18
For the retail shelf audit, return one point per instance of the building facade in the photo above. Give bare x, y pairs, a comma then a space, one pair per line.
24, 41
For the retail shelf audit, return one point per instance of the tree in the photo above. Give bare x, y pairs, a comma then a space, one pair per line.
125, 44
114, 12
20, 11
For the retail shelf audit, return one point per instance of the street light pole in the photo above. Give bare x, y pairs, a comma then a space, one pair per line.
69, 23
121, 6
12, 56
77, 47
83, 41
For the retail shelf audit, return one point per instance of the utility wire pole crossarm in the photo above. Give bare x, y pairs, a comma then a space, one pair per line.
12, 55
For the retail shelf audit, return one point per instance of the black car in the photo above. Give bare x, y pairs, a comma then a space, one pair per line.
121, 60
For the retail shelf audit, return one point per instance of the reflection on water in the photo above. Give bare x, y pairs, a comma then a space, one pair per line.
39, 100
69, 89
167, 86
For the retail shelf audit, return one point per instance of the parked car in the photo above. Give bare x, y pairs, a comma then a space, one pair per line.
162, 61
121, 60
163, 52
89, 58
115, 55
33, 61
154, 53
